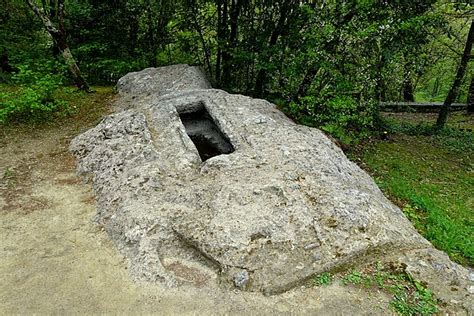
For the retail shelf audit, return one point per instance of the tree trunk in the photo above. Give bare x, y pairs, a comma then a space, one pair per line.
408, 95
220, 36
408, 85
207, 53
470, 97
306, 83
332, 45
453, 92
151, 36
4, 63
232, 41
59, 38
283, 22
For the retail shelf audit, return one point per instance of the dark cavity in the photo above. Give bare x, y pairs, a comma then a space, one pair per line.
205, 134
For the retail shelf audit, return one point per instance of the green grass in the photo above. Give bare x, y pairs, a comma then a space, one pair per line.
85, 106
423, 96
80, 107
408, 295
432, 178
68, 103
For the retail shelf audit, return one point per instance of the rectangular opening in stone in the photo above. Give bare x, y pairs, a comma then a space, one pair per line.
205, 134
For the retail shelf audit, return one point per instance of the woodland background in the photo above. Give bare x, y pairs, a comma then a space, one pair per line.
325, 63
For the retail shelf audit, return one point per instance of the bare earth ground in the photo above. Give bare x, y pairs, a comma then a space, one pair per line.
54, 259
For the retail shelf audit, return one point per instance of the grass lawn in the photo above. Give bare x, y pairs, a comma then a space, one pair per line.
431, 177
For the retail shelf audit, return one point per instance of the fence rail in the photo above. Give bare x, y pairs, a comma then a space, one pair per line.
418, 106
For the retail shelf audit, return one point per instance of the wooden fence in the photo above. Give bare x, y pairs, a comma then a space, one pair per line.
418, 106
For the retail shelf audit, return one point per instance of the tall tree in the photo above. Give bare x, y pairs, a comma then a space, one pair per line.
227, 63
221, 6
193, 17
470, 97
286, 11
58, 35
407, 85
454, 91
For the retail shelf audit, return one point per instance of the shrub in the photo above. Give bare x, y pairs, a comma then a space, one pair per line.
33, 97
342, 116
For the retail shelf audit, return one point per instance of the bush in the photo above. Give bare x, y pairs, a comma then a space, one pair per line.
108, 71
342, 116
33, 97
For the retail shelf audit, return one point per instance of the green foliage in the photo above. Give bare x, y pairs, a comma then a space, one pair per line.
34, 97
322, 279
341, 116
415, 214
112, 38
430, 176
417, 301
20, 34
455, 139
421, 303
442, 58
409, 296
108, 71
332, 62
353, 278
8, 173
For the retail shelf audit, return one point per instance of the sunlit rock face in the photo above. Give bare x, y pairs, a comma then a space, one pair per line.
199, 186
144, 87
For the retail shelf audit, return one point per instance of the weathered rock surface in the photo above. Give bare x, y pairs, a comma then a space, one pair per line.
285, 205
144, 87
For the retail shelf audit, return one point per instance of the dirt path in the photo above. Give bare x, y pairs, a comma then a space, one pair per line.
54, 259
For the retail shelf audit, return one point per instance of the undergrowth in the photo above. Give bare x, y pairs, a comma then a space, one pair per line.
84, 109
455, 139
344, 117
430, 175
408, 295
32, 96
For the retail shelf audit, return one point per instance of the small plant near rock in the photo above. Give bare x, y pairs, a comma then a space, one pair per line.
322, 279
8, 173
414, 214
414, 299
8, 177
354, 278
410, 296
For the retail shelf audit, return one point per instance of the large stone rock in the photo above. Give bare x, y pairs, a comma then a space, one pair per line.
285, 205
138, 88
